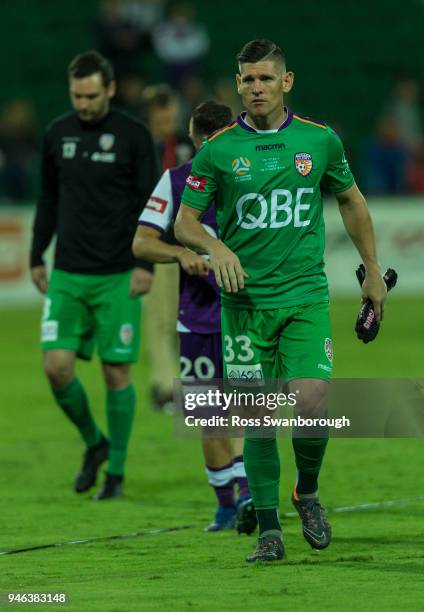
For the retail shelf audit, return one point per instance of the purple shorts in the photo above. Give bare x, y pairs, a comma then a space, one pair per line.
200, 356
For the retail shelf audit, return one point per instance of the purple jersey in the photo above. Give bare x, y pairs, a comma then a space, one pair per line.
199, 309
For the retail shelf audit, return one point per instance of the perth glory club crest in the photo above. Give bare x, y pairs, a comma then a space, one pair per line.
106, 141
303, 163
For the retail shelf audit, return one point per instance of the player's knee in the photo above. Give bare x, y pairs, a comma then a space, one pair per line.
311, 399
117, 376
312, 405
311, 411
58, 371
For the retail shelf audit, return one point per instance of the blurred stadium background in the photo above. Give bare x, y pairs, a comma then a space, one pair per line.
360, 66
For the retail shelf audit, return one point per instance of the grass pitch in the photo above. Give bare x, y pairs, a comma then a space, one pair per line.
376, 559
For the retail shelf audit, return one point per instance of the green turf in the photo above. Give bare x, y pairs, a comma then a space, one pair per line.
375, 562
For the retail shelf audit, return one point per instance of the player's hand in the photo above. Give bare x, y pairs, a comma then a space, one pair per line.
141, 282
39, 278
229, 273
374, 288
193, 264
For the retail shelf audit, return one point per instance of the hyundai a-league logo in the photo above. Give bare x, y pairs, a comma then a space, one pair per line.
241, 166
106, 141
328, 347
303, 163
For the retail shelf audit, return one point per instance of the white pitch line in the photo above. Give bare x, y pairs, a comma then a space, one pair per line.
368, 506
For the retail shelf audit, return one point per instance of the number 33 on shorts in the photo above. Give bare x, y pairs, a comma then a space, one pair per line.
238, 349
238, 353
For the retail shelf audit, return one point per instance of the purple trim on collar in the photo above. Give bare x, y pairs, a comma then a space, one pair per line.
242, 122
318, 121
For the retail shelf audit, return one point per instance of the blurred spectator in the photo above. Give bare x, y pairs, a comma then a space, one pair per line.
225, 92
386, 157
161, 305
181, 44
144, 15
404, 107
394, 157
163, 118
19, 144
129, 94
415, 173
193, 91
118, 39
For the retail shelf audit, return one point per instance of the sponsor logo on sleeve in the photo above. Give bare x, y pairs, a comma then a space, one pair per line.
196, 182
346, 169
157, 204
303, 163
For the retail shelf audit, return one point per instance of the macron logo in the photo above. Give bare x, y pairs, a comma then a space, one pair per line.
196, 183
270, 147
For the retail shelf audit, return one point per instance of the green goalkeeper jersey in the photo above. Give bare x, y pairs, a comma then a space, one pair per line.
267, 188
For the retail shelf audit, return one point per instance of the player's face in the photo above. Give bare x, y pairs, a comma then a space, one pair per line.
262, 85
90, 98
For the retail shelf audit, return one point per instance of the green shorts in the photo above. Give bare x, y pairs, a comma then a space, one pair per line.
285, 343
83, 310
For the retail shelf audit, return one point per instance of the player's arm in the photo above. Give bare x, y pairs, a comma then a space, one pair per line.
358, 224
339, 179
227, 268
148, 245
44, 225
198, 195
154, 221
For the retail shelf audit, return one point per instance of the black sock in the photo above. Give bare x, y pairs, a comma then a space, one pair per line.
306, 483
268, 520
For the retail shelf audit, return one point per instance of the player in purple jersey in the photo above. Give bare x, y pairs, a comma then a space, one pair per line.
199, 318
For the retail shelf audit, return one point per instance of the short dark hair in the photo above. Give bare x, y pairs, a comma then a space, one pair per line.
159, 96
90, 62
260, 50
210, 116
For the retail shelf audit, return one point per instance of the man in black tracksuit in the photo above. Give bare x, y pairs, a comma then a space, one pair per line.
99, 168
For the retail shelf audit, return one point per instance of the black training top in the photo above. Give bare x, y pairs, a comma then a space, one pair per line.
96, 179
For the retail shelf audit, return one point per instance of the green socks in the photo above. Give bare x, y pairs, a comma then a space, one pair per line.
120, 409
262, 463
309, 454
74, 403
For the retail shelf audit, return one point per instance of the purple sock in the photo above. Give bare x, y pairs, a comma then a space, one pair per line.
225, 494
240, 477
221, 479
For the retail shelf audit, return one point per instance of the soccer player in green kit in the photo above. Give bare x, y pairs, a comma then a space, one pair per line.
98, 169
265, 172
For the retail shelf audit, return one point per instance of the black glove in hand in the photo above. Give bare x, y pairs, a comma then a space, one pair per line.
366, 324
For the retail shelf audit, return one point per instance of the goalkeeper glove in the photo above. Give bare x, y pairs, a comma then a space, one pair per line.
367, 326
